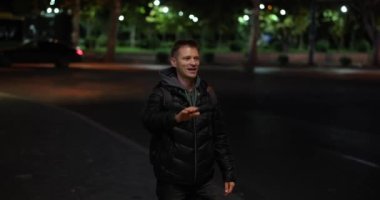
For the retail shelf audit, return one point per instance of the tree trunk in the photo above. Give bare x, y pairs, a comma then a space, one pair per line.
112, 34
132, 36
220, 39
368, 17
254, 36
76, 19
312, 32
376, 50
300, 42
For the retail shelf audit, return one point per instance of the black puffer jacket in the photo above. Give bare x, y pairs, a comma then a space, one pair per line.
185, 153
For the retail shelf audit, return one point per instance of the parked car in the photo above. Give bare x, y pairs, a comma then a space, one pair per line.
42, 52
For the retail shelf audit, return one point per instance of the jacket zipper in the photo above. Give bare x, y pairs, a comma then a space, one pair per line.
193, 103
195, 151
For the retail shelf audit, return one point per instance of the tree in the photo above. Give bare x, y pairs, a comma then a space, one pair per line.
254, 35
112, 32
366, 13
92, 23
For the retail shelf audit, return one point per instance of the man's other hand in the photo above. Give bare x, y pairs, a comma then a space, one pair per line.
228, 187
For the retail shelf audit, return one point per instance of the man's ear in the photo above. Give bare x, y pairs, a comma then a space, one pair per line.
173, 62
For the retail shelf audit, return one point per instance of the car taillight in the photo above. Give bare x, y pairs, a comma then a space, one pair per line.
79, 52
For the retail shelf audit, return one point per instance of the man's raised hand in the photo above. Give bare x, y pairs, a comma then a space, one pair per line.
187, 114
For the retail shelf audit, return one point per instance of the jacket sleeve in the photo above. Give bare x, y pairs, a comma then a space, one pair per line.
154, 117
222, 147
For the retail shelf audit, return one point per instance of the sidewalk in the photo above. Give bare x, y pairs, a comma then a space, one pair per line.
51, 153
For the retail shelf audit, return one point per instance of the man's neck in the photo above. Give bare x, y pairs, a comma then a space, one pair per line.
188, 84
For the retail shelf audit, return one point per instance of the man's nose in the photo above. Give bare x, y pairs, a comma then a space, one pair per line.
194, 61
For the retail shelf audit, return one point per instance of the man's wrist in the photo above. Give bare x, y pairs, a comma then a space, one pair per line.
176, 118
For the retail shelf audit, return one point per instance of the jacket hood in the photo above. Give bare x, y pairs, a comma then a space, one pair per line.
169, 77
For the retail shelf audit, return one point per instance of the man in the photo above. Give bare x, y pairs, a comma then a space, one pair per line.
188, 136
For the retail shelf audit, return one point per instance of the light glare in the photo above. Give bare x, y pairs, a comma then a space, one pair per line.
165, 9
156, 2
344, 9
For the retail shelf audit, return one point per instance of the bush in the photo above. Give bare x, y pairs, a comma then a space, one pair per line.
208, 57
149, 43
277, 46
345, 61
362, 46
162, 57
235, 47
283, 59
210, 44
90, 43
322, 45
101, 41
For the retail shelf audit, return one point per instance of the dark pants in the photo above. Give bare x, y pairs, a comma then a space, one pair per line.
206, 191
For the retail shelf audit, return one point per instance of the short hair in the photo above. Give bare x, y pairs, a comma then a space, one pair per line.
180, 43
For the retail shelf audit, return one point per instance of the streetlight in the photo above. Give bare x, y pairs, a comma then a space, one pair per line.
193, 18
56, 10
180, 13
121, 18
245, 17
282, 12
343, 9
49, 10
262, 6
156, 2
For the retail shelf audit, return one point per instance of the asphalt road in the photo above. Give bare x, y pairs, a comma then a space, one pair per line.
295, 133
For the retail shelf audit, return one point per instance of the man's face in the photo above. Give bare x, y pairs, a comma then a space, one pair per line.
186, 61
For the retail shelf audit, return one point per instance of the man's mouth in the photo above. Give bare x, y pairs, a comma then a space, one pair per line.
192, 69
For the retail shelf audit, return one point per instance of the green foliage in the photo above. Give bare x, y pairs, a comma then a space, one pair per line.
210, 44
322, 45
90, 42
149, 43
345, 61
285, 30
169, 22
102, 40
362, 46
336, 25
283, 59
301, 22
